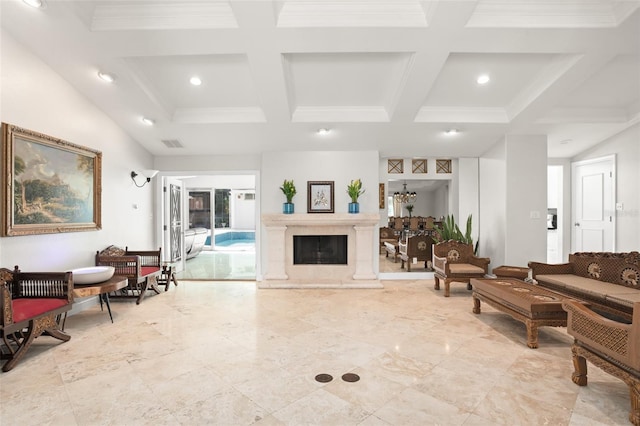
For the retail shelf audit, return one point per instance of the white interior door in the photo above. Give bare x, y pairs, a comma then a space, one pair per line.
173, 225
593, 224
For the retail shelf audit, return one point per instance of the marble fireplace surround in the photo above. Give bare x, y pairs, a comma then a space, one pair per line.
357, 273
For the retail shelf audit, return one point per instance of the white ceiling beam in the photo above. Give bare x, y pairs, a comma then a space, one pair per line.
162, 16
340, 114
428, 114
264, 58
351, 14
218, 115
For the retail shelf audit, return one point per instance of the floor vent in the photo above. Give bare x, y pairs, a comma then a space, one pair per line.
324, 378
350, 377
172, 143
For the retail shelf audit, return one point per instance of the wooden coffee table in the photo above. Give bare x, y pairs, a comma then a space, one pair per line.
528, 303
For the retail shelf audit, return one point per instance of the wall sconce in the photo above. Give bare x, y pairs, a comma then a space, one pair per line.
148, 174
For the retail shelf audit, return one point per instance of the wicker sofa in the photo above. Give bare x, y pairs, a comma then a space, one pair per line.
608, 282
610, 345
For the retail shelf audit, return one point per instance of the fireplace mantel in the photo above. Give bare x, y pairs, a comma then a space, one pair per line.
320, 219
359, 271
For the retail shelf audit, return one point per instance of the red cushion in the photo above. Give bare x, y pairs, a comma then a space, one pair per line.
29, 308
147, 270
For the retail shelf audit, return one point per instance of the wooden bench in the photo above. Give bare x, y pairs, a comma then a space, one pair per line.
141, 267
31, 305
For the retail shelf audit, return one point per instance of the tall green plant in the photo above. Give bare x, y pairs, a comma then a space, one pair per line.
409, 208
449, 230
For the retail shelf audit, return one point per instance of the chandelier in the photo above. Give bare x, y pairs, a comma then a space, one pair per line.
405, 196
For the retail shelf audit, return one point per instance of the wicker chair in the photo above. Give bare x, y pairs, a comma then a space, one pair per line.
386, 236
429, 223
418, 247
31, 305
611, 345
454, 261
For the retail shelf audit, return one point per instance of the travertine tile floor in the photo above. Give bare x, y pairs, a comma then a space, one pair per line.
213, 353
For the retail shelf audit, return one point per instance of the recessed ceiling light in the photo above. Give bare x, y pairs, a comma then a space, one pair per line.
323, 131
109, 78
148, 121
483, 79
195, 80
451, 132
34, 3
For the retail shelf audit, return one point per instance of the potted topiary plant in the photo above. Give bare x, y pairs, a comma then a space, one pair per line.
409, 208
354, 189
289, 190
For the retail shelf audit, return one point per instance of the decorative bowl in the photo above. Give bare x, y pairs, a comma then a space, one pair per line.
92, 274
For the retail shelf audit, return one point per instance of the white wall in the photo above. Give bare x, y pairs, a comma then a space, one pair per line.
564, 210
440, 202
220, 163
513, 188
34, 97
242, 210
493, 204
526, 235
468, 204
555, 196
626, 147
338, 166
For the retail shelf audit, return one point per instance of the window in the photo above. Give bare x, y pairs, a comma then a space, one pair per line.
222, 208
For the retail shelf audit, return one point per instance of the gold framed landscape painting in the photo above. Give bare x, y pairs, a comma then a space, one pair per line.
48, 185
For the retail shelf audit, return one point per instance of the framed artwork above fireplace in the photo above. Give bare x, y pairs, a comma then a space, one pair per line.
320, 197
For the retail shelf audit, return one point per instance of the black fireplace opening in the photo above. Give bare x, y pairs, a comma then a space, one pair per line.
319, 249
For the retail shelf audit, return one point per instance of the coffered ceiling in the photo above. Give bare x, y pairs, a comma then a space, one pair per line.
387, 75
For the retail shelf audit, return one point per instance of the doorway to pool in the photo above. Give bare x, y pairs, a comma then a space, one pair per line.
220, 237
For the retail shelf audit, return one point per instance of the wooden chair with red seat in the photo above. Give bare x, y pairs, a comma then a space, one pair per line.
31, 305
141, 267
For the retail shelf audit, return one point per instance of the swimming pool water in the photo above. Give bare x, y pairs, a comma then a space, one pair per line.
235, 237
